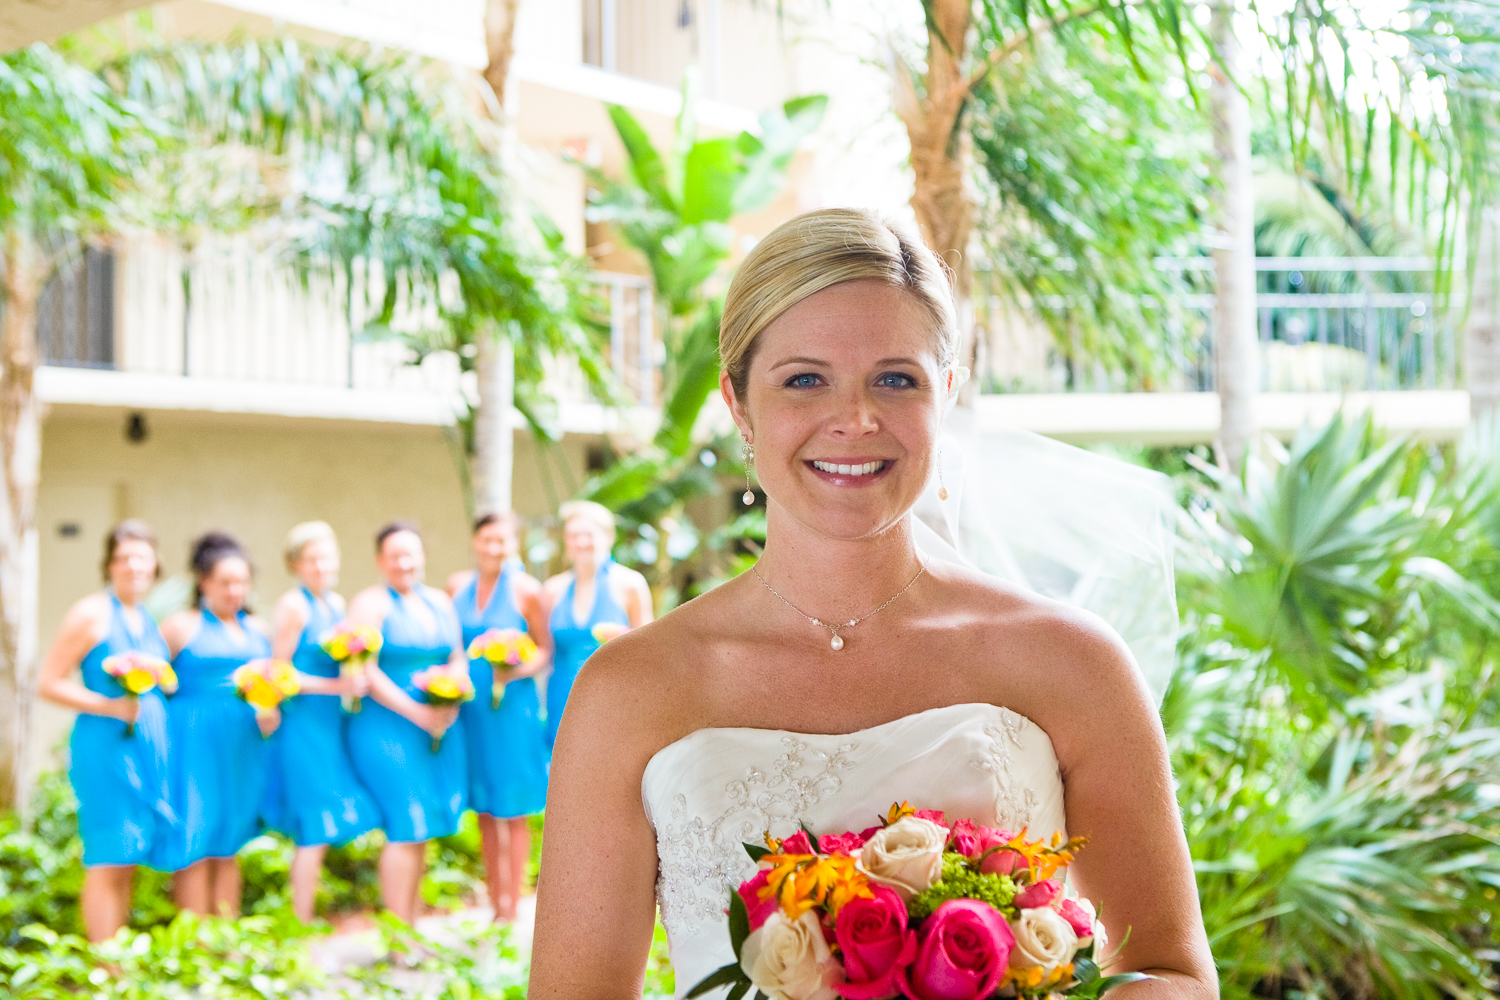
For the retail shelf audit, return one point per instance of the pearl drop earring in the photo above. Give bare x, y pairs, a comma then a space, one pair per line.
942, 490
747, 453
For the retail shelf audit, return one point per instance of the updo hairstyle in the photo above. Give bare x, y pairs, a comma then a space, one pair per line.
210, 550
301, 536
818, 249
504, 518
596, 514
125, 531
394, 528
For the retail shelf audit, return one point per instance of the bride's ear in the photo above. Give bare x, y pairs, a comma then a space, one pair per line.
736, 408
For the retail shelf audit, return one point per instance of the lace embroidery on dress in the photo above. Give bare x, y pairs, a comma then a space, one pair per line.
700, 860
1013, 805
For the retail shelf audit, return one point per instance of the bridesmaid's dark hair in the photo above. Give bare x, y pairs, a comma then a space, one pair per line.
129, 531
395, 528
210, 550
506, 517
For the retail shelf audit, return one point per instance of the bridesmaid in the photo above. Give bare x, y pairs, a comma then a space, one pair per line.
507, 762
124, 812
219, 759
597, 590
421, 794
317, 800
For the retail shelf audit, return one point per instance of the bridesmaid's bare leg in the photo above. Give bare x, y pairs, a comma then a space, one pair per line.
520, 859
191, 889
307, 865
401, 868
224, 874
493, 850
105, 900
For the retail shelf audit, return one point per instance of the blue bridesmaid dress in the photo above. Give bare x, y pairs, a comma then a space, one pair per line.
574, 642
219, 759
420, 793
125, 813
507, 762
316, 799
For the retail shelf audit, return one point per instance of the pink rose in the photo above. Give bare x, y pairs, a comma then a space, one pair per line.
1079, 917
876, 945
843, 843
972, 840
797, 843
962, 952
869, 832
1040, 894
936, 815
759, 909
1002, 862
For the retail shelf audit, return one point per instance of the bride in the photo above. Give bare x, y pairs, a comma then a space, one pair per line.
749, 709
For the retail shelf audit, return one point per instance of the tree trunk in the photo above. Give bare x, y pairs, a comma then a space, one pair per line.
1236, 348
942, 153
1482, 331
20, 455
494, 440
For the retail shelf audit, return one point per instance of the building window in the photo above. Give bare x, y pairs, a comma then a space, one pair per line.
75, 322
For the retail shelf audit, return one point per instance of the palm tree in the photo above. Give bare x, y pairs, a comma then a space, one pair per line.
68, 146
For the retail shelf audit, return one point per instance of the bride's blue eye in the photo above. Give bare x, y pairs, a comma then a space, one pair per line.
896, 380
807, 380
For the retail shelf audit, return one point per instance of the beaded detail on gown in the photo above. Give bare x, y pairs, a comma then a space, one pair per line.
716, 789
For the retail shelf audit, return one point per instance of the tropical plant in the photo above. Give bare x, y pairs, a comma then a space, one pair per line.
674, 208
1330, 719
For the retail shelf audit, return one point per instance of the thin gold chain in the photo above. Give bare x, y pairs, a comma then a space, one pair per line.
852, 622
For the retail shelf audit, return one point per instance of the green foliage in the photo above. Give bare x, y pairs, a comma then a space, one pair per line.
1331, 720
41, 869
1088, 173
481, 964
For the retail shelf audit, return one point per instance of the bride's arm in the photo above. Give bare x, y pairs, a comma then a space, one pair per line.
596, 902
1118, 785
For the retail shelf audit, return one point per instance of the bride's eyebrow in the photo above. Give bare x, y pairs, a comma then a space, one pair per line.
799, 360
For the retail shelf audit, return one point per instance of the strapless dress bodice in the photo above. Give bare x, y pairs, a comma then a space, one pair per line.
716, 789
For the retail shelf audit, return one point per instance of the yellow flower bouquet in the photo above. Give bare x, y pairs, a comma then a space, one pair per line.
264, 684
506, 649
352, 647
443, 687
138, 673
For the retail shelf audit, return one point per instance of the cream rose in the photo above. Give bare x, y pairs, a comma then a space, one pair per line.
790, 960
1043, 937
907, 855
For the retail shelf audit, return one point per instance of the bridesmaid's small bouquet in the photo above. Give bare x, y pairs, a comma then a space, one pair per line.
443, 687
264, 684
138, 673
506, 649
605, 631
916, 907
352, 647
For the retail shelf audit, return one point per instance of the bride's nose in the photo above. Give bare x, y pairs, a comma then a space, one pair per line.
854, 416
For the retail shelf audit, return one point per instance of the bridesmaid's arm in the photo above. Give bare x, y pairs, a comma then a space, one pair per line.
370, 607
527, 592
637, 597
288, 619
84, 626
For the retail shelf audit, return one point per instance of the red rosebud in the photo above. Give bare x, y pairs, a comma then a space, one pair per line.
1040, 894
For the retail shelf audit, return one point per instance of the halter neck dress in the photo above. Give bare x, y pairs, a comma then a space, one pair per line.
316, 797
125, 814
507, 761
420, 793
716, 789
574, 642
219, 759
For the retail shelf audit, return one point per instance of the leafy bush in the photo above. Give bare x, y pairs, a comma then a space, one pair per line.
41, 870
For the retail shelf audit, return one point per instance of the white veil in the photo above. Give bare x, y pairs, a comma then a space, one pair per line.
1085, 529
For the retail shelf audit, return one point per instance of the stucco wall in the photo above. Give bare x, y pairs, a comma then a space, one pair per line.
254, 477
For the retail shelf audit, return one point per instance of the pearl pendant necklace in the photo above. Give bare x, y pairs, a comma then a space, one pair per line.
837, 642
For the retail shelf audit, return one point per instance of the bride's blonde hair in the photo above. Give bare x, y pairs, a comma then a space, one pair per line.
809, 253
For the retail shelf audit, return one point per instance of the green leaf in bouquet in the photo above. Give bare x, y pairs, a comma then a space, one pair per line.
728, 975
812, 838
756, 851
739, 922
739, 991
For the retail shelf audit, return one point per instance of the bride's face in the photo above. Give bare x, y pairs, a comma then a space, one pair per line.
843, 404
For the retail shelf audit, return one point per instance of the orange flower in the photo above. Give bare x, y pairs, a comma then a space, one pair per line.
800, 882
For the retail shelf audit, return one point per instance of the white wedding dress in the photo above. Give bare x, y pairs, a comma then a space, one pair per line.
716, 789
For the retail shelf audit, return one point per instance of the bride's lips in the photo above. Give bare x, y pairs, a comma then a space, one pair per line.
850, 471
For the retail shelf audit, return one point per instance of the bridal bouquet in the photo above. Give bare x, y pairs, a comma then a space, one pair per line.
352, 647
443, 686
506, 649
264, 684
138, 673
916, 907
